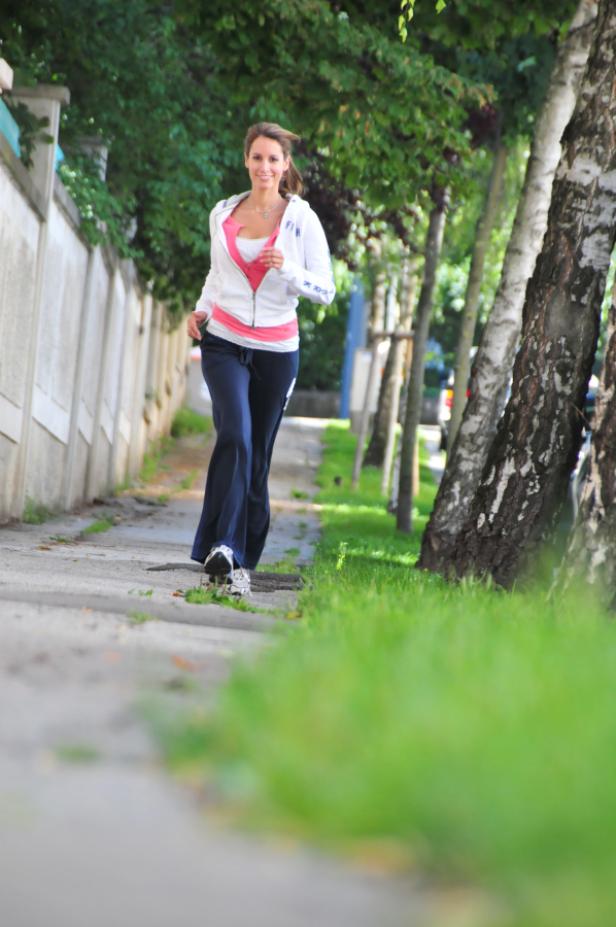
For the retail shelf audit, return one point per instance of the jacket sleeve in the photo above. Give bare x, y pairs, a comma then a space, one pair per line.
315, 280
205, 303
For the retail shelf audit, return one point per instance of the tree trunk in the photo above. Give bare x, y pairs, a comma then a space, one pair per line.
591, 554
407, 301
473, 288
407, 296
492, 366
536, 445
434, 242
390, 385
375, 452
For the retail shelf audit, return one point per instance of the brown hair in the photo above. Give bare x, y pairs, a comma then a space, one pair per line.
292, 179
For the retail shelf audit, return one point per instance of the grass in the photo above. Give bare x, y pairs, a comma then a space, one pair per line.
187, 422
197, 595
188, 481
98, 526
137, 617
473, 729
35, 513
76, 753
152, 461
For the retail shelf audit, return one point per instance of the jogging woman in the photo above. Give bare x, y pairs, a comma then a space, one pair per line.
267, 249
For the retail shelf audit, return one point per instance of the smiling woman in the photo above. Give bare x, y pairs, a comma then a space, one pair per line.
267, 249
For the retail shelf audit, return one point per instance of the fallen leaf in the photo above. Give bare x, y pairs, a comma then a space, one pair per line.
179, 593
112, 656
43, 547
184, 664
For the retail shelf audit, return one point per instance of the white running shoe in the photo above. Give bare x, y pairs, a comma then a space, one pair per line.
219, 562
238, 583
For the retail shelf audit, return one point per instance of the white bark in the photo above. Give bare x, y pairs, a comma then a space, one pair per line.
494, 358
473, 289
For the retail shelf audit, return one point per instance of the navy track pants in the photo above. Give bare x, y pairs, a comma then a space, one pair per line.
249, 389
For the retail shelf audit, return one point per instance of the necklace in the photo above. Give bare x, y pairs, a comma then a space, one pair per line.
267, 212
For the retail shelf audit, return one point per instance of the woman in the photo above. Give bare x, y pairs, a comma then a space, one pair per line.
267, 249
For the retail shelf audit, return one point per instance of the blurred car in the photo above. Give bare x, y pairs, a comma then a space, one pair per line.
446, 405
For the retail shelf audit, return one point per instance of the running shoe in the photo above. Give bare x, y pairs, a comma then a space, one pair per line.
238, 583
219, 562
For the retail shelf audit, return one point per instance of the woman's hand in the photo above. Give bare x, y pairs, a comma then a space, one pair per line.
272, 257
195, 319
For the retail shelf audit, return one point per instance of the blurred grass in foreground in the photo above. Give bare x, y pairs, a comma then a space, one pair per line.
474, 729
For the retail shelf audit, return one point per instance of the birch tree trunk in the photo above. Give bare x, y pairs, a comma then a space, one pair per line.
492, 366
434, 243
536, 445
591, 554
473, 288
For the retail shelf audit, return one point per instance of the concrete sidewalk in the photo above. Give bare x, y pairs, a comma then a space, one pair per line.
93, 831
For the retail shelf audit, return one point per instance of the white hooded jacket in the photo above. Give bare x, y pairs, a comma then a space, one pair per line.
306, 271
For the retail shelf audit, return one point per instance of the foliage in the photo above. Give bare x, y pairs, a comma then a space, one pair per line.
452, 274
470, 729
31, 129
322, 335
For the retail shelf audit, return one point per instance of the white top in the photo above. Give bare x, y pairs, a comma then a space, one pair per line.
249, 248
266, 318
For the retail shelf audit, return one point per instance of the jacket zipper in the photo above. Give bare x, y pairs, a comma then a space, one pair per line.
254, 292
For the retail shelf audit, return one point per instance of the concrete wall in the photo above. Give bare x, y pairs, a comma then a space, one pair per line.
91, 372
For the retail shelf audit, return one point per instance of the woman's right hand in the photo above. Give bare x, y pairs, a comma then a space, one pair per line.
195, 319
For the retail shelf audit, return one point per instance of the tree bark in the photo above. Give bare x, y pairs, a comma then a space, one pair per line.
591, 554
390, 382
375, 452
473, 288
434, 243
492, 366
537, 442
407, 296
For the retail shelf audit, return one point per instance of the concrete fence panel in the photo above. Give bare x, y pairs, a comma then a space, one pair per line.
90, 371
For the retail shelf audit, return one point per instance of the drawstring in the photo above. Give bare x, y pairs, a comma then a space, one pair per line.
246, 357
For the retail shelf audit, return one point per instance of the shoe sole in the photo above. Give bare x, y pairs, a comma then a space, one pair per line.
217, 566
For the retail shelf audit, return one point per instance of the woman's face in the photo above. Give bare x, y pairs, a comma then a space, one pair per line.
266, 164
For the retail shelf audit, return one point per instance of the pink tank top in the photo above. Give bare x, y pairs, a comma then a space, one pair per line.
254, 270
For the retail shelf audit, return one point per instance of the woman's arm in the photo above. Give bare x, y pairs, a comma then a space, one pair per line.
205, 303
315, 280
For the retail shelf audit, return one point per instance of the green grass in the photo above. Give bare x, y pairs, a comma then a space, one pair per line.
77, 753
472, 728
35, 513
137, 617
98, 526
153, 460
198, 595
188, 481
187, 422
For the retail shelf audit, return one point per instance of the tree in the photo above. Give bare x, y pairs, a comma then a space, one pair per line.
434, 243
492, 365
471, 301
537, 442
591, 554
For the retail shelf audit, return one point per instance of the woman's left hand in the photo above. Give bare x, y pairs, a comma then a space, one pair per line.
272, 257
